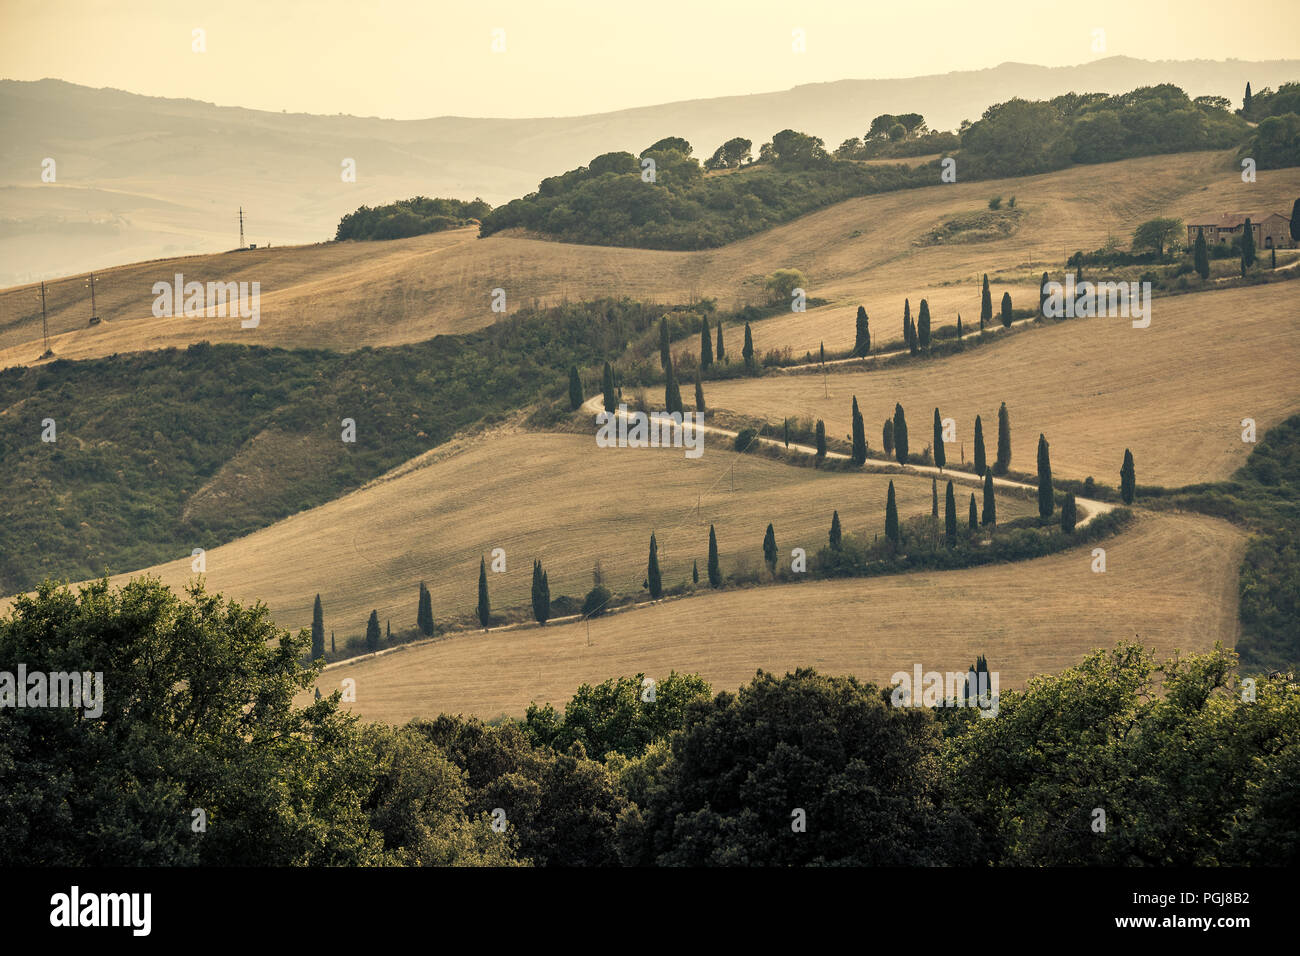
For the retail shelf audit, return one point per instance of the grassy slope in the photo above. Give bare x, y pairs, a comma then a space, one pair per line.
1174, 393
353, 294
1171, 580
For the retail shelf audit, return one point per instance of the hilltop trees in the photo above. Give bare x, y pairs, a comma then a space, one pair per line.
372, 632
821, 442
862, 334
541, 594
484, 609
1006, 310
835, 535
1003, 461
1154, 234
747, 352
730, 155
1127, 478
923, 326
980, 464
576, 397
900, 434
654, 583
950, 516
317, 631
607, 385
859, 436
769, 548
986, 304
989, 516
424, 612
715, 570
1201, 257
940, 457
1046, 503
706, 346
891, 516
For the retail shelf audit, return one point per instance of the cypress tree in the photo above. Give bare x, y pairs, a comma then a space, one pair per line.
424, 614
940, 456
1295, 222
1245, 102
821, 441
891, 516
923, 326
372, 632
388, 630
835, 531
974, 522
715, 571
331, 642
934, 498
1003, 461
823, 353
986, 304
1127, 478
699, 394
1201, 258
1006, 310
672, 393
541, 594
950, 516
907, 323
887, 436
959, 330
664, 354
1042, 297
859, 436
785, 425
653, 580
900, 434
706, 347
317, 631
1046, 504
1247, 245
981, 464
484, 609
607, 384
862, 334
769, 548
990, 514
695, 571
1069, 513
719, 353
747, 351
575, 389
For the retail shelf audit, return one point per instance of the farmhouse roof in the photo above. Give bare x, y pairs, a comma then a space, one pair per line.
1234, 220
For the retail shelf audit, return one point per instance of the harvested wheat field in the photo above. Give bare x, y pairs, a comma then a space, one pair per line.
1170, 579
862, 251
1175, 393
550, 496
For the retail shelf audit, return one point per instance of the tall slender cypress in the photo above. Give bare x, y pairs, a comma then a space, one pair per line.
986, 304
891, 516
940, 456
1247, 244
719, 353
664, 354
1046, 504
981, 464
862, 334
1042, 296
715, 570
859, 436
607, 385
923, 326
1003, 461
1069, 513
974, 522
672, 392
747, 351
1127, 478
934, 498
769, 548
835, 535
821, 442
317, 630
887, 436
900, 434
699, 394
706, 346
1201, 257
1006, 310
989, 516
576, 397
541, 594
653, 581
950, 516
424, 612
484, 609
372, 632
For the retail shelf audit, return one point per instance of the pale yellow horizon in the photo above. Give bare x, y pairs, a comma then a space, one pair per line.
412, 60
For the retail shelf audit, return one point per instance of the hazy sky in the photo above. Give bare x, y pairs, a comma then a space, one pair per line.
406, 60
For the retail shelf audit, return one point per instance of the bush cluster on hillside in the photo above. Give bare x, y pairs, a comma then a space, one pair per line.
409, 217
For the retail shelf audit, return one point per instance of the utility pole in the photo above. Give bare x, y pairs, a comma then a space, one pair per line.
45, 326
94, 313
241, 228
